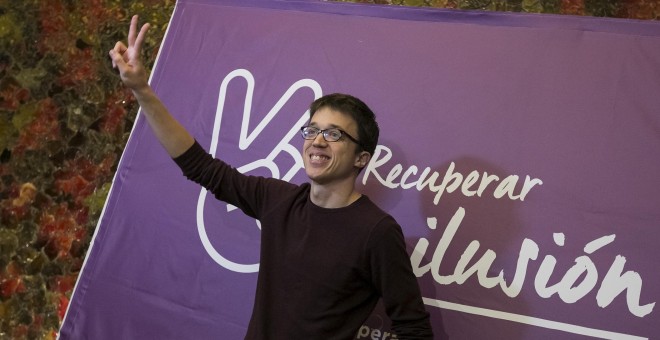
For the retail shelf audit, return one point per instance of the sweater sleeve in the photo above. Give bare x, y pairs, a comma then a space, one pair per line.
392, 275
248, 193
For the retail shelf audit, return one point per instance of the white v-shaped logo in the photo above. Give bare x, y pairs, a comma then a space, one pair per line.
245, 140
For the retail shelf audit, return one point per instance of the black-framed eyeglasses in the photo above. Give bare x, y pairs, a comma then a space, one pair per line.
329, 135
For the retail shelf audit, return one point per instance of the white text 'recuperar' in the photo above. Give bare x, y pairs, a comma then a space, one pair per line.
474, 183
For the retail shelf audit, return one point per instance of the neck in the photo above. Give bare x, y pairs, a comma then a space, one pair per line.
333, 196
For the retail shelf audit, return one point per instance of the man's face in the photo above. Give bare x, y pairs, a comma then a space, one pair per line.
329, 162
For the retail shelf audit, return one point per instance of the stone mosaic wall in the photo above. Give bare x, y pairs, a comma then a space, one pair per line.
64, 120
631, 9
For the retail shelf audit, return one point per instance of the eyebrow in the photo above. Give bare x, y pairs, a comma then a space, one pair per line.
332, 126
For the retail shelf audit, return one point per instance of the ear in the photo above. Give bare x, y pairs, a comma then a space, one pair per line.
362, 159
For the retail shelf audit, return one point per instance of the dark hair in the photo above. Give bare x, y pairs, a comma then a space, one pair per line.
365, 118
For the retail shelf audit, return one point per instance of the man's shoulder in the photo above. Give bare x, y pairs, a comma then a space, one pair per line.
368, 206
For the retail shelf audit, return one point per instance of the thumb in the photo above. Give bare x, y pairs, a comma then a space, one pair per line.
117, 60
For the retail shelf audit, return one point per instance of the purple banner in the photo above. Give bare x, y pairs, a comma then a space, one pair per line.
520, 154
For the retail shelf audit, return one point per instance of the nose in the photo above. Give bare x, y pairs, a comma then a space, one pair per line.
319, 141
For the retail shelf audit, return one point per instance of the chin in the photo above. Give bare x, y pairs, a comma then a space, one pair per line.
311, 176
316, 178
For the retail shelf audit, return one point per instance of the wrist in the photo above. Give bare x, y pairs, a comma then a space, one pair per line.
142, 90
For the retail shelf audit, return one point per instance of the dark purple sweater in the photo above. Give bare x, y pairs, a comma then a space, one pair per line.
322, 270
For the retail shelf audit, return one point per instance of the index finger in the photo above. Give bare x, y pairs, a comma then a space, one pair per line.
132, 30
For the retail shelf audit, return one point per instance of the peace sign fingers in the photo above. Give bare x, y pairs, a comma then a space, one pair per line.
127, 58
135, 40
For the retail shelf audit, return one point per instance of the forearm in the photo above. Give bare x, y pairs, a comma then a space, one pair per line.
171, 134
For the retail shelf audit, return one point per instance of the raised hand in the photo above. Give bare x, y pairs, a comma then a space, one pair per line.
127, 58
172, 135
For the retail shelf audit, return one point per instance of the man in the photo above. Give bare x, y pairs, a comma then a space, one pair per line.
327, 252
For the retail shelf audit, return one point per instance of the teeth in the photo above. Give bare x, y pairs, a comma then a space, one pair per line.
318, 158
